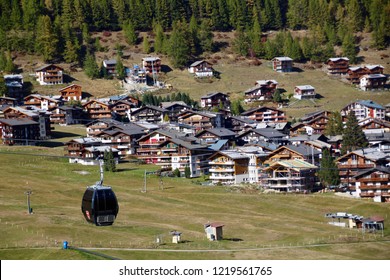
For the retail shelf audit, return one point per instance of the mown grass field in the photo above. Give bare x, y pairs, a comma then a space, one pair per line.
257, 225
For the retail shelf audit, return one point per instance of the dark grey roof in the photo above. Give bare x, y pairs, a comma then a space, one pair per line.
369, 171
163, 110
262, 108
221, 132
17, 122
243, 119
303, 150
269, 132
45, 66
212, 94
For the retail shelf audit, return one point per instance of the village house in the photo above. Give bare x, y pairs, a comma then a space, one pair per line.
282, 64
201, 120
71, 92
302, 139
122, 109
373, 183
263, 90
42, 102
151, 65
373, 82
357, 161
175, 108
21, 131
310, 126
269, 135
96, 109
364, 109
357, 72
304, 92
338, 65
291, 152
67, 115
373, 125
212, 135
215, 99
32, 113
201, 69
265, 114
7, 101
122, 138
110, 66
150, 113
49, 74
96, 126
239, 124
293, 175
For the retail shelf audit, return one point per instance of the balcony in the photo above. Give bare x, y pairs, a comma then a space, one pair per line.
220, 177
358, 166
221, 170
221, 162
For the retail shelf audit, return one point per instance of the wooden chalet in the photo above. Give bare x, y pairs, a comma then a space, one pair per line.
239, 124
8, 101
122, 108
94, 127
49, 74
290, 152
374, 125
215, 99
265, 114
294, 175
364, 109
263, 90
67, 115
374, 183
201, 120
14, 84
149, 113
304, 92
110, 66
282, 64
201, 69
151, 65
212, 135
71, 92
312, 126
354, 74
353, 163
268, 134
338, 65
373, 82
21, 131
42, 102
96, 109
175, 108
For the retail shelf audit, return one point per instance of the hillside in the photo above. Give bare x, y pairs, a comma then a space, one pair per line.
236, 74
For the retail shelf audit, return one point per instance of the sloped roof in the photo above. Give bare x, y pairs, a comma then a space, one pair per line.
295, 164
211, 94
43, 67
221, 132
283, 58
17, 122
370, 104
371, 170
334, 59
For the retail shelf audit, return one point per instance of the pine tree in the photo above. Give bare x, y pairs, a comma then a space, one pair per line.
353, 136
205, 36
241, 42
146, 45
120, 69
335, 124
90, 66
236, 107
129, 33
46, 40
3, 87
71, 52
159, 39
328, 172
349, 49
109, 161
179, 50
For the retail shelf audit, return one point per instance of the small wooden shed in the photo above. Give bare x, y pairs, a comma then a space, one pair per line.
214, 231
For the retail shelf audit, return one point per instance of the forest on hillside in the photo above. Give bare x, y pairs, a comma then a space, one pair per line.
60, 30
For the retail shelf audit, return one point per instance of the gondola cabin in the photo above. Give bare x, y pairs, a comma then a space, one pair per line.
99, 204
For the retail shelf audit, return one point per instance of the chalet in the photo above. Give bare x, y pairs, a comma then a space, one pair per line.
239, 124
358, 161
49, 74
71, 92
336, 143
8, 101
201, 120
151, 65
312, 126
304, 92
201, 69
149, 113
42, 102
14, 84
364, 109
263, 90
373, 125
229, 167
75, 148
374, 183
373, 82
302, 139
265, 114
290, 152
122, 138
212, 135
110, 66
96, 109
282, 64
31, 113
338, 65
19, 131
122, 109
175, 108
67, 115
374, 69
293, 175
215, 99
356, 73
96, 126
269, 135
313, 115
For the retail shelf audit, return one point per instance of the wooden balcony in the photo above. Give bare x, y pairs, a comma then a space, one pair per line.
355, 166
374, 180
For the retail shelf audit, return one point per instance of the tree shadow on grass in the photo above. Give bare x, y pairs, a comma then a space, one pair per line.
234, 239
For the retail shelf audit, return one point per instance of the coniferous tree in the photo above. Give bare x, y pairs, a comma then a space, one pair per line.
328, 172
241, 42
179, 50
120, 69
349, 49
109, 161
71, 52
3, 87
236, 107
146, 45
46, 39
205, 36
335, 124
353, 136
91, 68
159, 39
129, 33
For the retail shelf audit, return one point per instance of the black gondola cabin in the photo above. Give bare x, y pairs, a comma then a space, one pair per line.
99, 204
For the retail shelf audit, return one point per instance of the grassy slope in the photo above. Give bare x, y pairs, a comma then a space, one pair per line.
252, 219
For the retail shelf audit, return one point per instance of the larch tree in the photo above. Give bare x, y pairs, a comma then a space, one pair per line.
353, 136
46, 40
